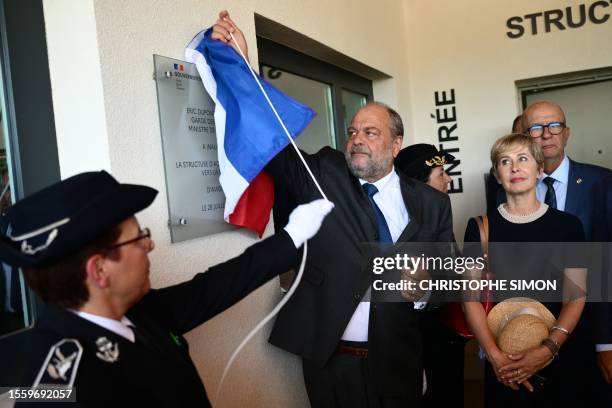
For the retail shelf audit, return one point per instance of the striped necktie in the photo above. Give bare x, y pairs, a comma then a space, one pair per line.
551, 197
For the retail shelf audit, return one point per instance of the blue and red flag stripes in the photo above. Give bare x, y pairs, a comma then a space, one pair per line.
248, 132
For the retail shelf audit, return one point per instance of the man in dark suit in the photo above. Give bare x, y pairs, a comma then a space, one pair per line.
602, 332
356, 352
374, 347
565, 185
103, 330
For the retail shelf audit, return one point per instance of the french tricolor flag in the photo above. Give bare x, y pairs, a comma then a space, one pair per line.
248, 133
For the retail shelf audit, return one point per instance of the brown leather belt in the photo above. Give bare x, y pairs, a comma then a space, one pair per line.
355, 351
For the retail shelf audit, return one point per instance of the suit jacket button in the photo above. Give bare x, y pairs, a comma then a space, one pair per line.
357, 296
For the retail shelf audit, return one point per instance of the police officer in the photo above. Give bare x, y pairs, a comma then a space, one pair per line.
103, 330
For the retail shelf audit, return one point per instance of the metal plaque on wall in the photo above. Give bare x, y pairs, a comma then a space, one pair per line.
195, 199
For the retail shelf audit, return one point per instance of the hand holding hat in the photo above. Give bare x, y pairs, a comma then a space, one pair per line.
525, 365
519, 326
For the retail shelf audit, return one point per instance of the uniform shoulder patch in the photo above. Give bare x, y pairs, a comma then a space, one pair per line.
61, 365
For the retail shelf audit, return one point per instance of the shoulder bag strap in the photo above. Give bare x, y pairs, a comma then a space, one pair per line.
483, 228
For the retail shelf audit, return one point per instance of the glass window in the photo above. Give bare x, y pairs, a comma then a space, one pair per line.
334, 93
13, 309
313, 93
28, 148
351, 103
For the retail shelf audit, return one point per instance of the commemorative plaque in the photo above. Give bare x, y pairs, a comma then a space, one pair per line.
195, 198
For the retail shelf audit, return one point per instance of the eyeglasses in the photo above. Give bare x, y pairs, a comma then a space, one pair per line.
145, 233
554, 128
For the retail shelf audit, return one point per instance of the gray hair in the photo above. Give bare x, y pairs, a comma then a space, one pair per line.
396, 124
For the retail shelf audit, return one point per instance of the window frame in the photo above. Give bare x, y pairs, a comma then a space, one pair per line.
32, 153
287, 59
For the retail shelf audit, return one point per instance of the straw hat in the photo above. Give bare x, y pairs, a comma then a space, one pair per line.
519, 324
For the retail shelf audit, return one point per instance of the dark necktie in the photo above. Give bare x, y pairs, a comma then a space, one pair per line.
384, 235
551, 197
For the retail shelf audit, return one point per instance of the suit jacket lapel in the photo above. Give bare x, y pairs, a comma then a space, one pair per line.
413, 205
411, 200
158, 338
364, 204
573, 188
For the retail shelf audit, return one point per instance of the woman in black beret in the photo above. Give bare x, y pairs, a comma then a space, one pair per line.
425, 163
443, 348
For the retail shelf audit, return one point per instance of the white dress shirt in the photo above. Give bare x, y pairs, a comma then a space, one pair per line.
391, 203
120, 327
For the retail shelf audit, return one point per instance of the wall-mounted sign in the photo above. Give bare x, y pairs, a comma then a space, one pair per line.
597, 12
446, 129
195, 198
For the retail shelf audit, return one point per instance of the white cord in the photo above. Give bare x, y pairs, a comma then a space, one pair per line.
261, 324
298, 278
278, 117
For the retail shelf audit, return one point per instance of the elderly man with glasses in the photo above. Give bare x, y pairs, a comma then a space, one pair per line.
105, 338
566, 184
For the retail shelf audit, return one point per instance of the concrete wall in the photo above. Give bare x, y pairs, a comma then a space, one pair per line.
100, 58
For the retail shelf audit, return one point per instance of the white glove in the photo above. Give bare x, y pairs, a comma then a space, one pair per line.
306, 219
